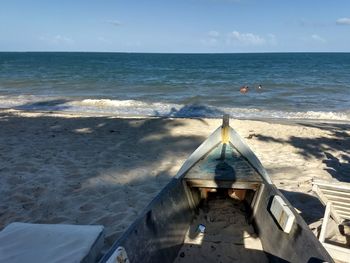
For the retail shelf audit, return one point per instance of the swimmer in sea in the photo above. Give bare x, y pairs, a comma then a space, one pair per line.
259, 87
244, 89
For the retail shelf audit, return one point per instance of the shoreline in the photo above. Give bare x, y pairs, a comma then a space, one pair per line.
58, 167
275, 120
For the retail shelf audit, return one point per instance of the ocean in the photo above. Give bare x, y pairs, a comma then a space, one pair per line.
294, 85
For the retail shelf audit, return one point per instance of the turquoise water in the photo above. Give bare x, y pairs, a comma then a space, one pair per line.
295, 85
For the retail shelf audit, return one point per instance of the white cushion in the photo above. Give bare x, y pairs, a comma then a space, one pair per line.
23, 242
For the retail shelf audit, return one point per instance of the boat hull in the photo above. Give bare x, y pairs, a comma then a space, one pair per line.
159, 232
223, 163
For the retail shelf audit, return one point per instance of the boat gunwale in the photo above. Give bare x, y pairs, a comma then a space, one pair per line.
220, 135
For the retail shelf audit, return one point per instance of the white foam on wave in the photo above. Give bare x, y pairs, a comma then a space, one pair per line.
15, 101
143, 108
311, 115
123, 107
110, 103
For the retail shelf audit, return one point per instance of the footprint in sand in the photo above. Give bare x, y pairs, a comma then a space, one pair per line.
87, 207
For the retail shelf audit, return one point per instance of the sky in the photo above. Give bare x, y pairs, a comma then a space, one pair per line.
179, 26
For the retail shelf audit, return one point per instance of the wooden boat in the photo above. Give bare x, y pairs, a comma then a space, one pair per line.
221, 207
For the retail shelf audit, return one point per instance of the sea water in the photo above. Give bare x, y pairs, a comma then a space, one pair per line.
294, 85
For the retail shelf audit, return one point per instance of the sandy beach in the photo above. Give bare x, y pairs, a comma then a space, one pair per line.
80, 169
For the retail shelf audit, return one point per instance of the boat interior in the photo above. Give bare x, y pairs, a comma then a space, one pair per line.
223, 188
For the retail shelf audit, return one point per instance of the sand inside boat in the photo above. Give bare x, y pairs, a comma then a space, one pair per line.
227, 237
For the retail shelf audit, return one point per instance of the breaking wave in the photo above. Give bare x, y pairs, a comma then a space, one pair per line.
143, 108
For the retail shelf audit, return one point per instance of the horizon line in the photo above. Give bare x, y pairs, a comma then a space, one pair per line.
180, 53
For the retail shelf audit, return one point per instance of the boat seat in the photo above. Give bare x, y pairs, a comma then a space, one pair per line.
336, 197
234, 184
224, 167
24, 242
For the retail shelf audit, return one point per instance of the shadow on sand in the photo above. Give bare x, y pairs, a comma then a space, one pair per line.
192, 111
321, 147
46, 105
86, 170
98, 170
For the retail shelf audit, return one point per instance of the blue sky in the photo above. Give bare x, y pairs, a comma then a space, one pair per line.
175, 26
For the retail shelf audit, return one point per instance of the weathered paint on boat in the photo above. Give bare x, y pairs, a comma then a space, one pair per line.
159, 231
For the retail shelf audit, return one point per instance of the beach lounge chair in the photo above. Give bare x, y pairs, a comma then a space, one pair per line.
336, 197
23, 242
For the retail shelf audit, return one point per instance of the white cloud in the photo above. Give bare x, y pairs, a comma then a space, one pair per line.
318, 38
235, 38
57, 40
343, 21
114, 22
212, 39
213, 33
245, 38
209, 41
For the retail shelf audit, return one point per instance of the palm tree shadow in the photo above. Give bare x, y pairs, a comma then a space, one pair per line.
192, 111
309, 206
104, 169
321, 147
338, 169
45, 105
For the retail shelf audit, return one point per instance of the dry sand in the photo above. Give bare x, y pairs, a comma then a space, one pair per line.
71, 168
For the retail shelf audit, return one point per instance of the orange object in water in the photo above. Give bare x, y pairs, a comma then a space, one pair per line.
244, 89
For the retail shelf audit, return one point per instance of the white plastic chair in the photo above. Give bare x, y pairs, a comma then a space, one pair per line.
336, 197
